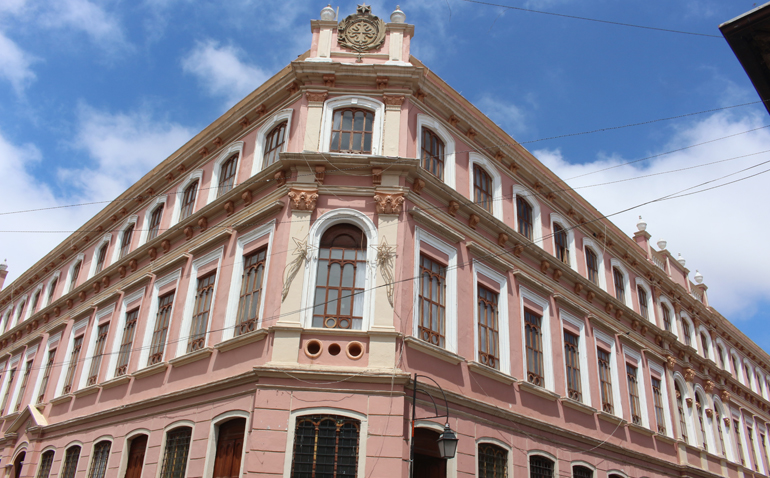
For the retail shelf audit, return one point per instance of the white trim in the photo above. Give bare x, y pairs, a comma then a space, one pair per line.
708, 425
617, 404
145, 232
664, 396
505, 446
727, 438
259, 151
68, 285
88, 358
213, 441
640, 381
585, 383
544, 304
601, 272
434, 125
537, 220
30, 309
230, 150
685, 317
152, 316
750, 380
504, 346
617, 472
568, 230
7, 318
451, 298
48, 292
627, 300
116, 250
725, 355
189, 304
737, 374
672, 314
117, 338
174, 425
641, 283
19, 310
95, 256
127, 447
328, 219
196, 175
233, 298
497, 187
709, 354
377, 107
363, 435
688, 415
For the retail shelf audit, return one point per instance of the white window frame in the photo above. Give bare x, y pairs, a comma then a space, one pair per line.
68, 286
63, 460
95, 257
693, 339
126, 447
494, 441
216, 171
233, 299
117, 336
617, 401
575, 463
53, 341
48, 292
14, 362
664, 396
213, 441
709, 354
327, 220
363, 434
725, 355
177, 424
650, 303
544, 454
497, 188
88, 358
196, 175
663, 300
29, 354
569, 231
116, 250
74, 333
450, 310
640, 380
152, 316
628, 299
585, 384
426, 121
257, 164
376, 106
545, 328
601, 271
738, 374
192, 290
708, 423
750, 380
504, 340
688, 411
30, 309
145, 232
719, 410
537, 220
18, 310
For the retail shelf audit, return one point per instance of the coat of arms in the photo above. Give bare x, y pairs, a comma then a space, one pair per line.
361, 31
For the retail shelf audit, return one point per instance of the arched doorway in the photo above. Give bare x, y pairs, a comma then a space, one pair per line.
17, 464
427, 460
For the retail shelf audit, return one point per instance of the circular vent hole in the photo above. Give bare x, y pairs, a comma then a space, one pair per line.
334, 349
355, 350
313, 348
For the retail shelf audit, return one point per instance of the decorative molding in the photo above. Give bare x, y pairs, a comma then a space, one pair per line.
361, 31
393, 100
316, 96
300, 200
330, 81
376, 176
382, 83
389, 203
385, 256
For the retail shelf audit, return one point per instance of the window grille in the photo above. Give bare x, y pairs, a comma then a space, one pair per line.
46, 461
165, 304
605, 380
657, 398
633, 394
46, 375
71, 458
23, 387
620, 291
524, 215
99, 460
493, 461
432, 301
582, 472
126, 343
482, 188
227, 175
643, 303
200, 319
251, 291
188, 200
325, 446
125, 244
540, 467
592, 264
489, 353
74, 359
157, 215
534, 339
352, 131
432, 153
274, 144
96, 361
572, 359
560, 243
176, 452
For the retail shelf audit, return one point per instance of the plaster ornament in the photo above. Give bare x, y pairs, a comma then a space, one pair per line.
418, 184
518, 249
473, 221
165, 245
544, 266
280, 180
261, 110
659, 340
644, 330
634, 324
709, 412
302, 200
229, 207
327, 14
471, 133
247, 197
681, 259
56, 311
82, 296
203, 223
301, 254
454, 120
708, 386
609, 308
590, 296
376, 176
106, 281
97, 287
557, 273
698, 277
619, 314
398, 16
188, 233
689, 402
662, 243
391, 100
689, 374
244, 122
218, 142
132, 264
153, 253
320, 174
316, 96
361, 31
641, 225
382, 83
502, 238
330, 81
454, 206
385, 255
204, 151
578, 287
389, 204
69, 303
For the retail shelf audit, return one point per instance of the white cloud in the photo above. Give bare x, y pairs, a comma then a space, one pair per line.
723, 232
222, 71
103, 28
15, 64
506, 114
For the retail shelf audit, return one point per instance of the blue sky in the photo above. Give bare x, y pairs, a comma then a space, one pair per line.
94, 93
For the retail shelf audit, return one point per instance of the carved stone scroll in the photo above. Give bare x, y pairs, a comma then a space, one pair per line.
247, 197
316, 96
473, 221
454, 206
302, 200
389, 203
330, 81
393, 100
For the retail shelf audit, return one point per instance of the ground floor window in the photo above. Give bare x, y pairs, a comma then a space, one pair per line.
325, 446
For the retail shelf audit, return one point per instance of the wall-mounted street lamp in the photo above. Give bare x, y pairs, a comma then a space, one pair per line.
447, 441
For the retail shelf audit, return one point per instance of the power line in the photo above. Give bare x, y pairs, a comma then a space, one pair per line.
609, 22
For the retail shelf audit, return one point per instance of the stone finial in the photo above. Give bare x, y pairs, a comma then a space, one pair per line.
327, 14
398, 16
389, 203
302, 200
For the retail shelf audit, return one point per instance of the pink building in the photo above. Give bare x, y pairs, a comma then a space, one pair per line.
258, 303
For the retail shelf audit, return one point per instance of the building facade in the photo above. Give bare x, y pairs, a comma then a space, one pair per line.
258, 305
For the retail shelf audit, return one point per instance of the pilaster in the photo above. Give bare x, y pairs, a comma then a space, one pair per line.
392, 128
315, 107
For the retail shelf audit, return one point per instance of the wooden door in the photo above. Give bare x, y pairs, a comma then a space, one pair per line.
229, 449
427, 460
18, 464
136, 457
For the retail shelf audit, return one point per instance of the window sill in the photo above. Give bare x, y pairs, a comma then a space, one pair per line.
665, 438
608, 417
579, 406
489, 372
641, 429
86, 391
151, 370
325, 331
241, 340
61, 399
433, 351
185, 359
538, 391
116, 382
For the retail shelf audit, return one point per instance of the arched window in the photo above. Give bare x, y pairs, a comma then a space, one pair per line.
176, 451
592, 266
432, 153
643, 310
489, 328
125, 241
582, 472
686, 333
704, 342
666, 317
274, 143
251, 291
720, 430
136, 456
99, 461
524, 212
736, 368
493, 461
52, 289
561, 248
227, 175
188, 200
100, 258
700, 412
157, 215
352, 131
657, 400
482, 188
747, 374
18, 463
540, 467
46, 462
534, 341
71, 458
325, 446
73, 277
680, 409
227, 463
620, 291
339, 293
721, 356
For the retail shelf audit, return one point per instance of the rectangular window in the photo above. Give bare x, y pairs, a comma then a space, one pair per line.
96, 361
127, 343
750, 433
227, 175
100, 257
188, 200
686, 333
620, 290
125, 244
165, 303
489, 353
657, 397
534, 339
200, 320
46, 375
157, 215
325, 446
432, 301
561, 247
75, 273
633, 394
592, 265
572, 359
666, 318
176, 452
11, 376
482, 188
738, 442
251, 291
643, 303
71, 458
23, 387
605, 380
74, 358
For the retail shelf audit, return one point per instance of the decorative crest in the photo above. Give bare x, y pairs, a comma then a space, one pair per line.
361, 31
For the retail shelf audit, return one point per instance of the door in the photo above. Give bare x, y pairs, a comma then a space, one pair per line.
136, 457
229, 449
17, 464
427, 460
